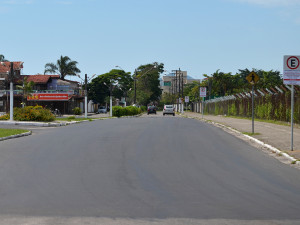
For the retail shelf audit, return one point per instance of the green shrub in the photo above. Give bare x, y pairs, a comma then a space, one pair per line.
77, 111
143, 108
4, 117
119, 111
33, 113
71, 118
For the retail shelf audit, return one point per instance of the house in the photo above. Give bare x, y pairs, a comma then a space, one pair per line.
49, 90
54, 93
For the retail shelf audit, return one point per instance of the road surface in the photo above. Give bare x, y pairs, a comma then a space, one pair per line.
149, 170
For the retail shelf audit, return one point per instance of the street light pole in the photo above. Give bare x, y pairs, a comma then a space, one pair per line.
110, 99
11, 115
134, 86
85, 97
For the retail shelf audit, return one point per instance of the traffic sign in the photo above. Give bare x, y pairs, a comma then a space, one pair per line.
187, 99
252, 78
291, 69
202, 91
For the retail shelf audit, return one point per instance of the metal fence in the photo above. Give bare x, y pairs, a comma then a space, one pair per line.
269, 104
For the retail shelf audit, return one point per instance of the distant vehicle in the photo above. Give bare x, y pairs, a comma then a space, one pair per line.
151, 109
169, 109
102, 109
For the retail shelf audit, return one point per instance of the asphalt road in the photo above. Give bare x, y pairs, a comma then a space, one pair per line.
147, 170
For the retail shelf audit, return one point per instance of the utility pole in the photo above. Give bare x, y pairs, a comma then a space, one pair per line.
134, 101
85, 97
11, 115
110, 99
182, 91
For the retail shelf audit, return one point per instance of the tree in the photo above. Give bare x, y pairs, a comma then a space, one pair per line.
64, 66
27, 88
2, 58
118, 80
148, 83
267, 79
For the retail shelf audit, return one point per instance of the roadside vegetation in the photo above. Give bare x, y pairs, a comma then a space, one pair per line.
31, 113
10, 132
119, 111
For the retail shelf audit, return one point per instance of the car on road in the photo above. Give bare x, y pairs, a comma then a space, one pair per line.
151, 109
102, 109
169, 109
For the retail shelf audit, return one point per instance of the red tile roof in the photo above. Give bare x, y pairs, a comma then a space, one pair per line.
40, 79
5, 66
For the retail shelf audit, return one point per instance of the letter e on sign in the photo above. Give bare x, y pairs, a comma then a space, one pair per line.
293, 63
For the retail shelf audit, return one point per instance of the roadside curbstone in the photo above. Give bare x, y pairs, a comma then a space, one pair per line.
16, 136
266, 146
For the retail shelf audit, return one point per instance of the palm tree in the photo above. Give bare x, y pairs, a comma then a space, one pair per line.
27, 88
2, 58
64, 66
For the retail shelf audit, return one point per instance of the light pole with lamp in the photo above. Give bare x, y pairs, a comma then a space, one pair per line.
86, 80
11, 91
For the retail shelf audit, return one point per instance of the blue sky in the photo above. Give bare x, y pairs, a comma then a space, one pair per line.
194, 35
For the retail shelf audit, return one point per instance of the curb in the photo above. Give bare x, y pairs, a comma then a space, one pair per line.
267, 146
16, 136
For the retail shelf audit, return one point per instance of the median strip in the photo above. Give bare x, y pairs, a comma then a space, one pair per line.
12, 133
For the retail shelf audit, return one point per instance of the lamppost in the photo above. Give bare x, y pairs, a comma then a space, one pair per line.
86, 80
124, 91
11, 91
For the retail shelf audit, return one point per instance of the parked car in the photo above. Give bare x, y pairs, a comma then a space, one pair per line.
102, 109
151, 109
169, 109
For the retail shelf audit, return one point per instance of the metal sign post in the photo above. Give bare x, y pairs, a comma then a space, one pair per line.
252, 78
292, 118
203, 95
291, 76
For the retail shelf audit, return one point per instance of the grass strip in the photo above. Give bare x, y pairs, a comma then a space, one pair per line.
10, 132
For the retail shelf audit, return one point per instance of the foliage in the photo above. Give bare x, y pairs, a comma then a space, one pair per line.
148, 83
119, 111
2, 58
64, 66
118, 82
77, 111
268, 107
27, 88
33, 113
4, 117
222, 84
10, 132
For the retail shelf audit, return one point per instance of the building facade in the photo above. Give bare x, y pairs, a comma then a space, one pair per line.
174, 82
49, 91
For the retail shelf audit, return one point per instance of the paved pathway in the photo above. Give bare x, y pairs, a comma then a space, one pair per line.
278, 136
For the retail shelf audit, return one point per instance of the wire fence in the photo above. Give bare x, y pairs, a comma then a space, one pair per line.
269, 104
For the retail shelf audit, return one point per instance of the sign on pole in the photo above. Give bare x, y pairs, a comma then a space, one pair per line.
252, 78
291, 75
291, 69
187, 99
202, 91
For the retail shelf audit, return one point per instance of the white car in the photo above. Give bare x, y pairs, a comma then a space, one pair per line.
169, 109
102, 109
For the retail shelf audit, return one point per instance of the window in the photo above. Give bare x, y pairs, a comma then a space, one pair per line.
167, 83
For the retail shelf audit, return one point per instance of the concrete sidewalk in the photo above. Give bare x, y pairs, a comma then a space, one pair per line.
278, 136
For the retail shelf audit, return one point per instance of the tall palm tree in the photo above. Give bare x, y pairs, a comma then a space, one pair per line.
64, 66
